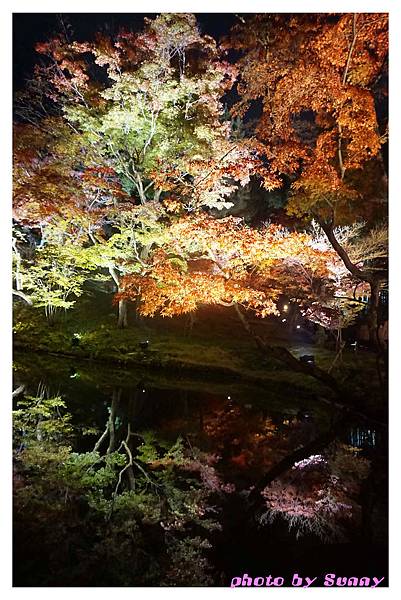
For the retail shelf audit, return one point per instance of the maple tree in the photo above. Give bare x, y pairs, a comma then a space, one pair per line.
152, 131
319, 494
315, 79
51, 270
135, 119
222, 261
61, 202
126, 158
52, 274
158, 121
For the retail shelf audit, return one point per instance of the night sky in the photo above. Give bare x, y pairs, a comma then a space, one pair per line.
30, 28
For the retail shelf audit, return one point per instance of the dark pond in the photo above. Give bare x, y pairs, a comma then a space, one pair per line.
251, 429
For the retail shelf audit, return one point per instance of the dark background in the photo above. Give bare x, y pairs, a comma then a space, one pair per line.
30, 28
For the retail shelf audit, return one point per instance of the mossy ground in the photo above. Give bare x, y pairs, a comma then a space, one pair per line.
216, 349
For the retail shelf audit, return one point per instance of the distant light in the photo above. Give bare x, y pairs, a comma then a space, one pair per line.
285, 307
228, 397
143, 391
298, 326
283, 320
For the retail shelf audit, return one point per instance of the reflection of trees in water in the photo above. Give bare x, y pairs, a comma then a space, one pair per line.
165, 487
320, 494
317, 494
362, 437
143, 505
251, 442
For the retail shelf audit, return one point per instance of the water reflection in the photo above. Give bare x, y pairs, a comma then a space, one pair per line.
232, 436
362, 437
245, 427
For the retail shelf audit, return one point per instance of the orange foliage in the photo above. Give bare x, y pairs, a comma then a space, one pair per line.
210, 261
315, 76
53, 176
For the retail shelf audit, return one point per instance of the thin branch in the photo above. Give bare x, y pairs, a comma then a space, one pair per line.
344, 81
213, 168
120, 475
23, 296
351, 49
101, 439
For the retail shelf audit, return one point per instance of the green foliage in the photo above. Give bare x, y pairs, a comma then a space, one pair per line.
40, 419
53, 275
156, 114
188, 565
68, 499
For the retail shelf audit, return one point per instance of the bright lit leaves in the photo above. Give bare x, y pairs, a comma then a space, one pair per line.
308, 69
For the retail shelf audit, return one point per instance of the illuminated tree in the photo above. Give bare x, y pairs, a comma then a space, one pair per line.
137, 230
138, 120
54, 191
316, 79
52, 275
158, 121
222, 261
319, 495
119, 122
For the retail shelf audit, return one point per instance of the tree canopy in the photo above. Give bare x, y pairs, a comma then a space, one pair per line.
125, 152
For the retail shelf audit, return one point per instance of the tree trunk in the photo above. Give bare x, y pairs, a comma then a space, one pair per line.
316, 445
122, 320
283, 355
373, 312
374, 281
190, 323
144, 254
339, 339
137, 306
122, 314
23, 296
112, 420
293, 313
50, 313
18, 391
